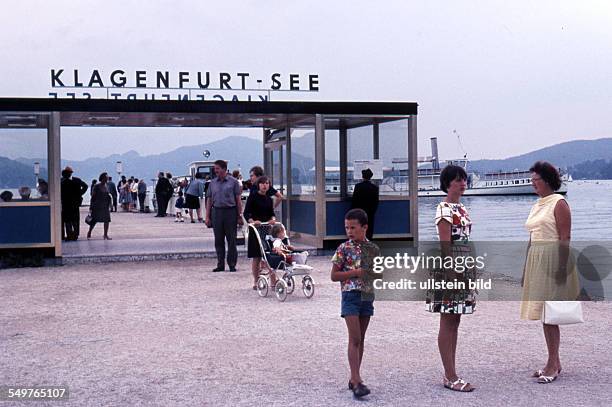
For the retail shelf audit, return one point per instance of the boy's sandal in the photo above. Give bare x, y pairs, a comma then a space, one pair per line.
458, 385
360, 390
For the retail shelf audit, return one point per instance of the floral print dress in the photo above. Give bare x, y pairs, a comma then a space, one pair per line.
454, 301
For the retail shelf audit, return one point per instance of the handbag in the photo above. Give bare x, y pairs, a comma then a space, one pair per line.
89, 219
562, 312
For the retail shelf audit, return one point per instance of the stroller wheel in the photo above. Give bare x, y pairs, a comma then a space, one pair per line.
308, 286
290, 283
262, 286
281, 290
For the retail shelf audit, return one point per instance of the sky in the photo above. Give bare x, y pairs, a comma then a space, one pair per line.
509, 77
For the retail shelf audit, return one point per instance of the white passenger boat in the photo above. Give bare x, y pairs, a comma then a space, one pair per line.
395, 177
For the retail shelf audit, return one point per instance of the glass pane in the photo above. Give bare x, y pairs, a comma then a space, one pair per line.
277, 164
360, 145
303, 162
24, 171
393, 148
332, 162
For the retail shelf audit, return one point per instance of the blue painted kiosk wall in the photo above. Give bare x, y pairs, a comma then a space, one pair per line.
25, 224
392, 217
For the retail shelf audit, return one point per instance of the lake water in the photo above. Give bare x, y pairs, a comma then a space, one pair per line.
498, 218
502, 218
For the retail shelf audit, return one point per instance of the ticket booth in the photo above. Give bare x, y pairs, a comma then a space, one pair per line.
313, 151
30, 208
316, 164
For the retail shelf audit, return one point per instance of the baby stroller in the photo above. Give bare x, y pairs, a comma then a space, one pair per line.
284, 272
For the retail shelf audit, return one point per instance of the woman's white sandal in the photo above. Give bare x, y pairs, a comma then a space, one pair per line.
540, 372
547, 379
454, 385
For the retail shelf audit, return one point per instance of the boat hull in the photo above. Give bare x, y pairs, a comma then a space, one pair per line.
492, 191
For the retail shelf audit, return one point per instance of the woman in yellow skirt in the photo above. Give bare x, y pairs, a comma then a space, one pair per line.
549, 274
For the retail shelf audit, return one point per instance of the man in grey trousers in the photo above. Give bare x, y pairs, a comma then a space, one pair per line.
224, 213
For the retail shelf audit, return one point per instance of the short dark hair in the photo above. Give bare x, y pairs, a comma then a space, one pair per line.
367, 174
102, 176
222, 164
449, 174
168, 175
257, 171
110, 178
262, 180
357, 214
548, 173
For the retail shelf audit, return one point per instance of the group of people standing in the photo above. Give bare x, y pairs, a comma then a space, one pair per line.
105, 197
72, 191
130, 193
548, 274
163, 193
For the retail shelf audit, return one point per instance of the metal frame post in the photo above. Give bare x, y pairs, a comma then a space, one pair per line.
320, 210
414, 178
289, 180
343, 145
54, 163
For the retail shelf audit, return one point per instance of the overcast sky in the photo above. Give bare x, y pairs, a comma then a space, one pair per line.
510, 77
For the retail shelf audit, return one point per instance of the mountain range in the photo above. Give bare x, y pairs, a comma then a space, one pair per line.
582, 158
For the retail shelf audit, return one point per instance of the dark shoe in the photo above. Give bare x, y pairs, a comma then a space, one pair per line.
360, 391
217, 269
232, 269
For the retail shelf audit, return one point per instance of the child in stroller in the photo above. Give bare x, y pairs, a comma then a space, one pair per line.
282, 247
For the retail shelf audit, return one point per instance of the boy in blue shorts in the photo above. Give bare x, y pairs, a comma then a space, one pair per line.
348, 269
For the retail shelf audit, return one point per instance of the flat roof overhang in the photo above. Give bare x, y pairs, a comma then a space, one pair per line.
184, 113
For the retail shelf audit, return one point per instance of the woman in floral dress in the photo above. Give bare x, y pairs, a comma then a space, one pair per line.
454, 226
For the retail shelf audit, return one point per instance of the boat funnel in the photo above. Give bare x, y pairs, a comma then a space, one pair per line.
435, 162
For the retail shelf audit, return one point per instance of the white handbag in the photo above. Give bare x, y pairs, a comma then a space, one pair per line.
562, 312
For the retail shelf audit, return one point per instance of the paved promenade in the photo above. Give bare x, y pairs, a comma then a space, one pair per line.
141, 235
174, 334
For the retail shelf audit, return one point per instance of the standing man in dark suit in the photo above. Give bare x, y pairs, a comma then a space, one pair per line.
72, 191
163, 192
142, 194
112, 189
365, 196
224, 213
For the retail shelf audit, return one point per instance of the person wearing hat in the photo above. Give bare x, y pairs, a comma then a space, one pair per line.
72, 191
365, 196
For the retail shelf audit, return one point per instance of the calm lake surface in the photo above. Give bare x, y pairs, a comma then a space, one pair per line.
498, 218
